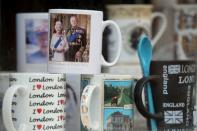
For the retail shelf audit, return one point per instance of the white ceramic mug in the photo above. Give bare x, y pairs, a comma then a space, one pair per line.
107, 104
186, 31
32, 42
133, 20
76, 41
35, 101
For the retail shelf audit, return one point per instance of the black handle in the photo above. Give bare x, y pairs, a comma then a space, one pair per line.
138, 97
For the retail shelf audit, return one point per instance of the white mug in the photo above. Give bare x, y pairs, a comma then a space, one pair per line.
76, 41
106, 98
133, 20
32, 42
35, 101
186, 31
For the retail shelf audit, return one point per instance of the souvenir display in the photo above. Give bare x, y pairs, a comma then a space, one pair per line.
98, 65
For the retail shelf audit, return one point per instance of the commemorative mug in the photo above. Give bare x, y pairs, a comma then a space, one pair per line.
186, 31
133, 20
75, 44
107, 103
32, 42
173, 85
35, 101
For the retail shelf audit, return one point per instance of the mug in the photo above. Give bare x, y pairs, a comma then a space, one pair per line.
133, 20
75, 44
107, 104
186, 31
35, 101
173, 86
32, 42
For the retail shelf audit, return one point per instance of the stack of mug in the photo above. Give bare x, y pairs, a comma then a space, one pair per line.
61, 83
45, 92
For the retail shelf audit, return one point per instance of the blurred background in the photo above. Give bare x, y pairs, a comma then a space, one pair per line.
164, 49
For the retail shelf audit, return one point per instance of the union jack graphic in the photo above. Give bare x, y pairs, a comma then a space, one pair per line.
173, 117
174, 69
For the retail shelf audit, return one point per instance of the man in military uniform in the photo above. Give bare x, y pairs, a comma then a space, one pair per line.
76, 37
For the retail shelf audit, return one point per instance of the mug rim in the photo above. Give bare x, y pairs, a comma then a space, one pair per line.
109, 76
31, 73
174, 61
77, 11
109, 6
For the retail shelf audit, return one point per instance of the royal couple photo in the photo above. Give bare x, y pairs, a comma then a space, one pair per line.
69, 38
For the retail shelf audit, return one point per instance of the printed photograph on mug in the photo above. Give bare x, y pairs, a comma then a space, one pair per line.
69, 38
36, 38
118, 109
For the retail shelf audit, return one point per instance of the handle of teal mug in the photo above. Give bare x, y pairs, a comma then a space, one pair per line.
138, 97
7, 107
162, 27
90, 108
119, 42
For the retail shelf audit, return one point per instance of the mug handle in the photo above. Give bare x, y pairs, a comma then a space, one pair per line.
89, 108
138, 97
119, 42
162, 28
7, 107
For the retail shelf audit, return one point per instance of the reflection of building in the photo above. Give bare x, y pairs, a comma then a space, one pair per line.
118, 122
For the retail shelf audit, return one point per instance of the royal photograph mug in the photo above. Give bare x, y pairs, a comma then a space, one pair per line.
75, 41
35, 101
107, 103
32, 42
173, 85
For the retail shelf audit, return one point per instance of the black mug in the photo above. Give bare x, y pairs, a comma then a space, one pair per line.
173, 85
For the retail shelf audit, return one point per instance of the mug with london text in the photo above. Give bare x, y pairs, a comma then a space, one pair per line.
75, 41
34, 101
173, 85
107, 102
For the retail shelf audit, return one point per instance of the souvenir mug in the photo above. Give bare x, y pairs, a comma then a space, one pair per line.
133, 20
32, 42
107, 103
76, 41
35, 101
173, 85
186, 31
